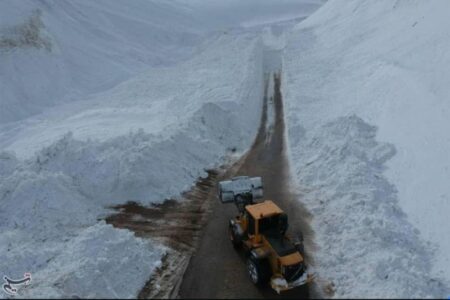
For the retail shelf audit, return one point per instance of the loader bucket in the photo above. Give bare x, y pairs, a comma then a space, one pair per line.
230, 189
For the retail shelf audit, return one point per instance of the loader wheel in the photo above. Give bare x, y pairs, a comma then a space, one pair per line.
236, 241
258, 270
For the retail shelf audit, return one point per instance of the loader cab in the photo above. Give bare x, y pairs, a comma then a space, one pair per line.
265, 218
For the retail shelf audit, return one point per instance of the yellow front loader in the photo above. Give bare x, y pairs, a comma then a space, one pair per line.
260, 229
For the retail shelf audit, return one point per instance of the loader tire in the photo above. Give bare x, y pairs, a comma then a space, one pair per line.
258, 270
235, 240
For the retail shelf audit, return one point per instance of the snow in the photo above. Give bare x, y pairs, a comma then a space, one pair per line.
95, 164
97, 262
161, 99
366, 89
102, 103
251, 13
94, 45
49, 228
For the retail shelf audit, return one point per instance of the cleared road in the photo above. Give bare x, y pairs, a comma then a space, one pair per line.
216, 270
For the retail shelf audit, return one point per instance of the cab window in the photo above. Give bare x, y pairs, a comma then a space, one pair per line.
251, 224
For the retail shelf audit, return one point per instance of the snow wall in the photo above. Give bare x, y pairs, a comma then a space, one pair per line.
147, 139
367, 91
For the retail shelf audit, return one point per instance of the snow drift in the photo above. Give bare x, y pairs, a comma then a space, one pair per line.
366, 88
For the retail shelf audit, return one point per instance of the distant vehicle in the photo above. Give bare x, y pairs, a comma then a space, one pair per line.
260, 230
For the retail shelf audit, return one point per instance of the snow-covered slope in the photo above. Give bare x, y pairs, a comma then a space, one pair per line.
58, 51
367, 87
53, 52
219, 14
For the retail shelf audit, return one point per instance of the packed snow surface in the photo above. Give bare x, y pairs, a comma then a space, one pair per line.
367, 88
103, 102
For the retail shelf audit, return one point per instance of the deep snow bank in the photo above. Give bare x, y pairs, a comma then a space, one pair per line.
357, 73
146, 140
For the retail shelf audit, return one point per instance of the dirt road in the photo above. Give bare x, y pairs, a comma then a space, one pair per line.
216, 270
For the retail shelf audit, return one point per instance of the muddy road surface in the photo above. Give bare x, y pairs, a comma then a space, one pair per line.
216, 269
